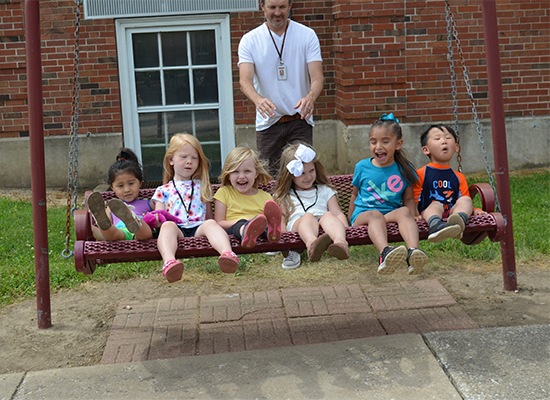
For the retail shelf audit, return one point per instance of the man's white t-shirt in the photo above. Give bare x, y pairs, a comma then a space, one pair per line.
301, 47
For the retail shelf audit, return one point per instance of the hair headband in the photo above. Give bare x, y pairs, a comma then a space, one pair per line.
390, 117
303, 155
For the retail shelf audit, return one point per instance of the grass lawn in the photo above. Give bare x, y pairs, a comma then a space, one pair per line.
531, 220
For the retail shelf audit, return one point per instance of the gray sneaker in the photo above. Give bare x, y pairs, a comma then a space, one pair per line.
292, 261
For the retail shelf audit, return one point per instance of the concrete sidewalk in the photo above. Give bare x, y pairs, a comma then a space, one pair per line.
405, 340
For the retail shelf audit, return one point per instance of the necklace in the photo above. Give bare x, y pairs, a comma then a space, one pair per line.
186, 207
300, 200
281, 68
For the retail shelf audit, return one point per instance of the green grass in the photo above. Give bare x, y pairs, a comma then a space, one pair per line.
531, 219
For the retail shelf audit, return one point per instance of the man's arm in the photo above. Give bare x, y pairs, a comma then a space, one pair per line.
246, 80
306, 105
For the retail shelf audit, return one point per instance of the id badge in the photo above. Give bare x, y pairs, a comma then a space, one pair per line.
281, 72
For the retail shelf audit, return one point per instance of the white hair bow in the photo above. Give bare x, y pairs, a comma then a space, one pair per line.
303, 155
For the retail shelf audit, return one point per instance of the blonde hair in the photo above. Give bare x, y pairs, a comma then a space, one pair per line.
235, 158
285, 181
202, 173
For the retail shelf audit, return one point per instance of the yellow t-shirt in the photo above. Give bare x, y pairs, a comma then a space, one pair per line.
240, 206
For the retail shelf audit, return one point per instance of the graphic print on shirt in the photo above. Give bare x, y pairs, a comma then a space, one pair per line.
440, 185
379, 195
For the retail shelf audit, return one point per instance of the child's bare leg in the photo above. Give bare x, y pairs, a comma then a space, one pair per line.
144, 232
407, 225
463, 204
308, 228
111, 234
216, 235
219, 240
378, 232
337, 232
435, 208
334, 227
167, 242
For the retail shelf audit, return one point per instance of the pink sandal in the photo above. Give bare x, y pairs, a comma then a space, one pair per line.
173, 270
272, 213
254, 228
228, 262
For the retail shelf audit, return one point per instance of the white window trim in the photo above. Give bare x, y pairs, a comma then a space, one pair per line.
130, 118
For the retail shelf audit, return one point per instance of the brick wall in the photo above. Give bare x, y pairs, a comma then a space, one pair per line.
379, 56
99, 98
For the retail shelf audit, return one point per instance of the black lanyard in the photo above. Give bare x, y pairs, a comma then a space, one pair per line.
187, 208
300, 200
280, 53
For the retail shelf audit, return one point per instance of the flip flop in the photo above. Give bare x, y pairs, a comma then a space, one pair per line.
254, 228
318, 247
96, 205
272, 213
121, 210
339, 251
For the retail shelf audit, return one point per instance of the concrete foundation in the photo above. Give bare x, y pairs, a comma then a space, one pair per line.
341, 147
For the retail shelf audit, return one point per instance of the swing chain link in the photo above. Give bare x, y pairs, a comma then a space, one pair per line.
72, 183
450, 33
451, 24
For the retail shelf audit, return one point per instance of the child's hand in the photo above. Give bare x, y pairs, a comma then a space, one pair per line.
418, 218
479, 211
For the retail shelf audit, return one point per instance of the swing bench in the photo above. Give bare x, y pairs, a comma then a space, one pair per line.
88, 252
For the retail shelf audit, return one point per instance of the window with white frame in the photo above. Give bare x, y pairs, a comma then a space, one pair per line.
175, 76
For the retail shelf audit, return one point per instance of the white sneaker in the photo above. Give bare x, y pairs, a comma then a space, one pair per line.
292, 261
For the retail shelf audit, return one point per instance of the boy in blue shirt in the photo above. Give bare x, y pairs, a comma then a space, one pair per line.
442, 192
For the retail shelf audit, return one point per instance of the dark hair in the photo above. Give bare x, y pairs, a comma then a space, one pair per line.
406, 168
126, 162
424, 136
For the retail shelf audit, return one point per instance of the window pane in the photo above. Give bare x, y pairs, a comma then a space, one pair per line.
203, 47
207, 125
152, 163
212, 151
176, 86
151, 128
174, 49
205, 84
148, 88
146, 52
179, 122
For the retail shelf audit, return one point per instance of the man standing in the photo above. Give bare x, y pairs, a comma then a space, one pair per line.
281, 71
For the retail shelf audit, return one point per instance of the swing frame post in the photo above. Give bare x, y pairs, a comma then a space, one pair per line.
498, 128
38, 165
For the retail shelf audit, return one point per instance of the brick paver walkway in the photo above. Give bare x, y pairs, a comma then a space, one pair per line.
200, 325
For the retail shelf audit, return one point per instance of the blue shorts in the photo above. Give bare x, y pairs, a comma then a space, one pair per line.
188, 232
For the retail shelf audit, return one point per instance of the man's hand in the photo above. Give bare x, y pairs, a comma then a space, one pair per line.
266, 107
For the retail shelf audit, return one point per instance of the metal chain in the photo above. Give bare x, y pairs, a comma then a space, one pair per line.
72, 182
452, 24
453, 80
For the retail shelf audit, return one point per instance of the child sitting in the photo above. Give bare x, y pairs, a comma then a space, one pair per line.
240, 207
382, 193
440, 191
121, 220
308, 202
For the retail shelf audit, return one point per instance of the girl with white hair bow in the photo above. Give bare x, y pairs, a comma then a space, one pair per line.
309, 202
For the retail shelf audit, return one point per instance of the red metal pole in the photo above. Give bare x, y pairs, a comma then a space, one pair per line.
500, 151
38, 166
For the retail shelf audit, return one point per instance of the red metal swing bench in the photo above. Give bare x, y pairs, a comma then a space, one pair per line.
89, 252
